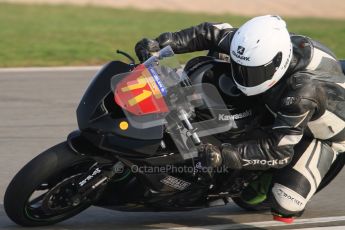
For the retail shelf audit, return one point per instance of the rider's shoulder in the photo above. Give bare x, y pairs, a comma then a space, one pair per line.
300, 80
303, 49
299, 40
304, 93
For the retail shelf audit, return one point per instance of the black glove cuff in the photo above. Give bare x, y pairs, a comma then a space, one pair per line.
231, 157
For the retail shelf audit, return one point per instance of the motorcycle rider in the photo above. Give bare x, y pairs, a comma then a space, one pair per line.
298, 80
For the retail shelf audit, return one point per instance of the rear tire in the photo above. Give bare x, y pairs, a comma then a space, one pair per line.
41, 174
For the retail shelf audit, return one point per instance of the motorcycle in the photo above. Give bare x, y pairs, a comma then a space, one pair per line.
141, 127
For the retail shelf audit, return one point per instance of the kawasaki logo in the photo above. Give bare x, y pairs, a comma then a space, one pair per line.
266, 162
223, 117
240, 56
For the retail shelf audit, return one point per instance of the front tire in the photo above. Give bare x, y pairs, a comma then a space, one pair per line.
55, 167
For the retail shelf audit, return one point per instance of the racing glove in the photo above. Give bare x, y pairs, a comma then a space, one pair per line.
214, 157
210, 155
230, 157
145, 47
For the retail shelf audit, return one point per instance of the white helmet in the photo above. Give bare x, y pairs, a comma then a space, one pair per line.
260, 52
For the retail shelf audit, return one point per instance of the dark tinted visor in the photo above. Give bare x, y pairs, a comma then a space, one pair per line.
250, 76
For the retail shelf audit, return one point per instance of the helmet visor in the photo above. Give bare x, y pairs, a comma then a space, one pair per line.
251, 76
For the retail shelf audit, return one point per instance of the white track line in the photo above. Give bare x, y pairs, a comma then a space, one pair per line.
322, 228
49, 69
263, 224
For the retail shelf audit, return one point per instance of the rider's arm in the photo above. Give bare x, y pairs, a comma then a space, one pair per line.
275, 149
206, 36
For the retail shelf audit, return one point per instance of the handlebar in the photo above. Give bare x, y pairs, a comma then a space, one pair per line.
132, 61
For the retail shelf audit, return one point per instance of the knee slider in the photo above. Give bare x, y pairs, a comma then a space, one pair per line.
287, 202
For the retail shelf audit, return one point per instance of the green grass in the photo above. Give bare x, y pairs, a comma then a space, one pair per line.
43, 35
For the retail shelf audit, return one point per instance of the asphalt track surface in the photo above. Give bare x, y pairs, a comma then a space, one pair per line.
37, 110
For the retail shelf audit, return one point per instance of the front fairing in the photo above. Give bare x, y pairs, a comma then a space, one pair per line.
97, 112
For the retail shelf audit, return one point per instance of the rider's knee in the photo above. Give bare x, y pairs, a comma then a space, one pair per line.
287, 202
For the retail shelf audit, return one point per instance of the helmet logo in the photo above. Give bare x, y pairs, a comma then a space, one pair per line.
240, 50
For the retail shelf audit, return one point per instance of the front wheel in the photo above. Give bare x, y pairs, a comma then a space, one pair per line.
45, 190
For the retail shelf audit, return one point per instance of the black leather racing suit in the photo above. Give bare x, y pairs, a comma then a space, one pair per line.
307, 113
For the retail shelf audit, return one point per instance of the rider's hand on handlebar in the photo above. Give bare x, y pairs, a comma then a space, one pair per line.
145, 47
211, 155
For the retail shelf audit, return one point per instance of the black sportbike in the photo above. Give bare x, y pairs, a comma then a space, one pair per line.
141, 128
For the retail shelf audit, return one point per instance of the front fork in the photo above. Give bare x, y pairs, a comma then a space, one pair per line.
93, 181
194, 136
